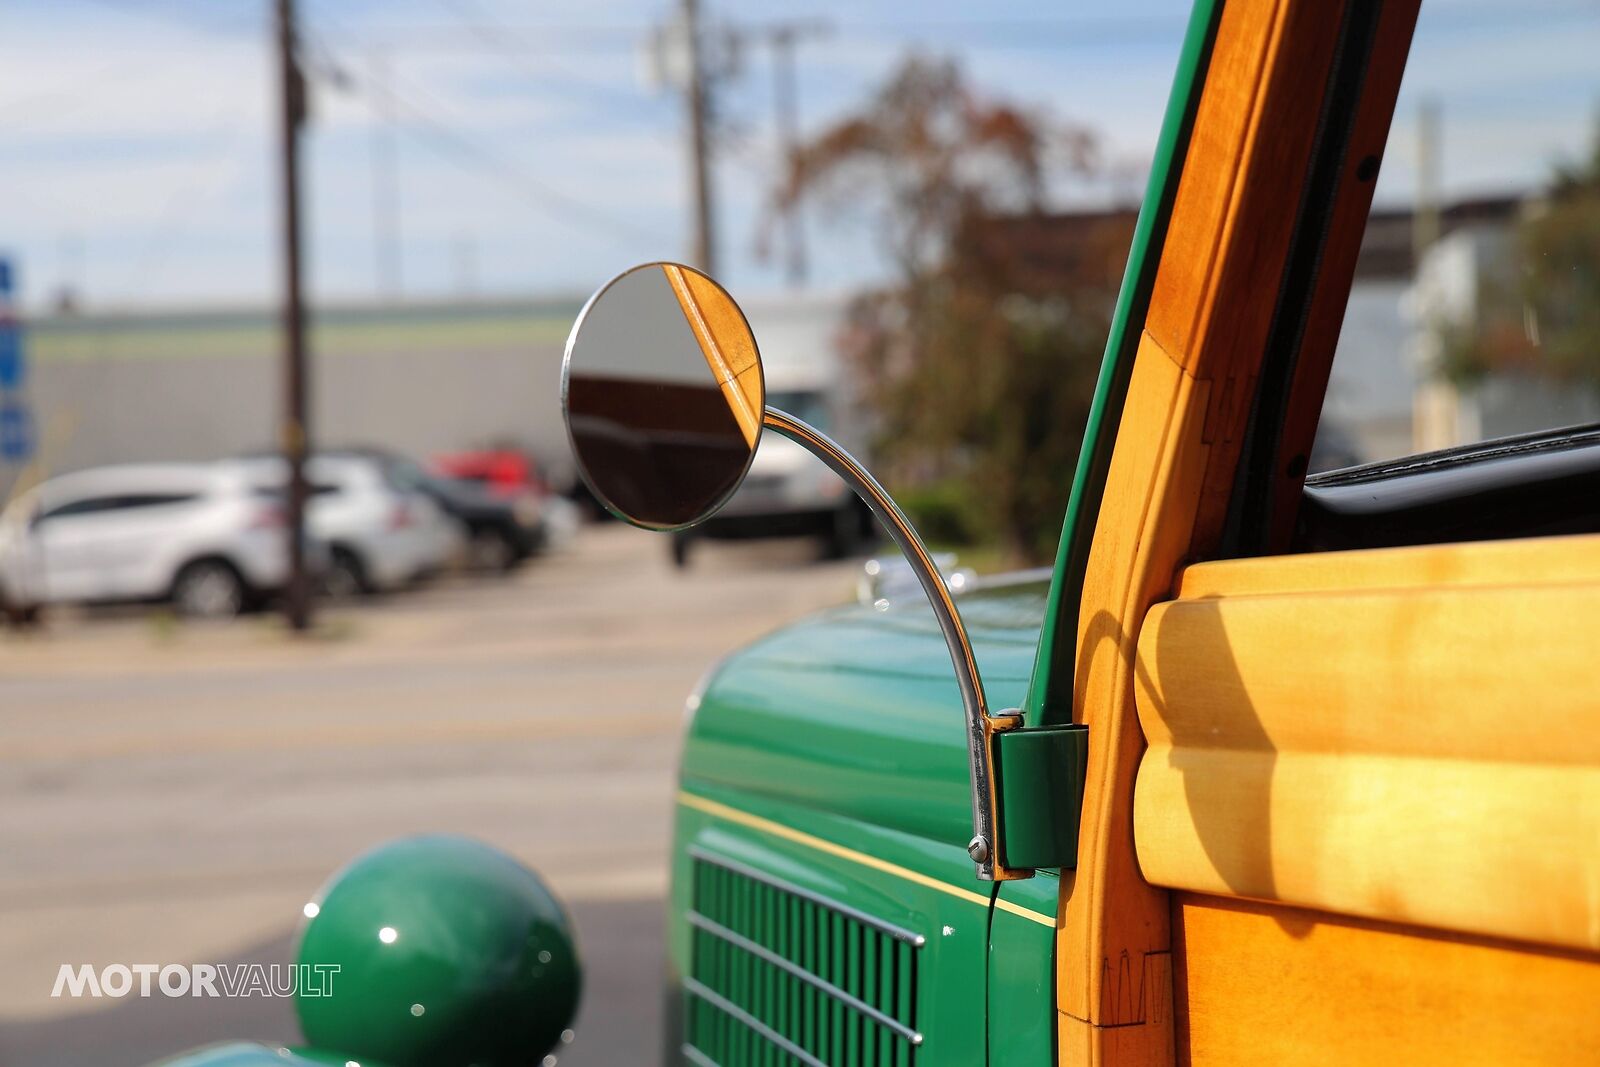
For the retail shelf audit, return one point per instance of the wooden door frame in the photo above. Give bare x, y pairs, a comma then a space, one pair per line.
1254, 274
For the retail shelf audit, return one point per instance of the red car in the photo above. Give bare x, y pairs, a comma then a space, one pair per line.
503, 471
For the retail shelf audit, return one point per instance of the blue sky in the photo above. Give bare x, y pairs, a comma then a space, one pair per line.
534, 158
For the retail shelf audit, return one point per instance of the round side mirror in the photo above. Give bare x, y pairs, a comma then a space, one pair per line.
664, 401
662, 393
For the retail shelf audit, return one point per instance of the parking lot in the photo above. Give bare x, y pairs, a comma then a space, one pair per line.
175, 793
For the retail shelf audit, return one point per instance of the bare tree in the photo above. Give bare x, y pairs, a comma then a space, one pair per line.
979, 359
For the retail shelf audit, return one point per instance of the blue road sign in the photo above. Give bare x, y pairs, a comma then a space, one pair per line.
11, 366
16, 431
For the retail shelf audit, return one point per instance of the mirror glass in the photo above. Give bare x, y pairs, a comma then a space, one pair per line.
662, 392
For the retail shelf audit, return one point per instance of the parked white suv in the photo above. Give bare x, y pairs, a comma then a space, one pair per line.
194, 534
379, 536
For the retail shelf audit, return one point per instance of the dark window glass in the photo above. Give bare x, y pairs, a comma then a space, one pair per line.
86, 506
1464, 399
91, 505
153, 500
269, 492
1475, 313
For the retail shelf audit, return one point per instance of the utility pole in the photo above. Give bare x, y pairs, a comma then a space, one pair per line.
292, 114
466, 257
677, 56
1425, 214
703, 253
786, 114
1436, 404
385, 177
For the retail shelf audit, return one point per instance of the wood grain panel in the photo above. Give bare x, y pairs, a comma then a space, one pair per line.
1532, 561
726, 342
1209, 192
1231, 225
1424, 756
1166, 489
1273, 986
1112, 969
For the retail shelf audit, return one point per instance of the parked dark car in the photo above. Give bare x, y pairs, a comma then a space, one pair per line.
502, 531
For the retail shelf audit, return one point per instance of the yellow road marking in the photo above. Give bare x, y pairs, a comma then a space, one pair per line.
755, 822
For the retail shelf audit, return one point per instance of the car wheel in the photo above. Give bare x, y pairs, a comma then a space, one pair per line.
208, 589
22, 616
346, 577
843, 534
492, 550
680, 549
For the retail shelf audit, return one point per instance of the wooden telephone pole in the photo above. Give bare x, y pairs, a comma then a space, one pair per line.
385, 177
679, 56
292, 113
704, 247
783, 38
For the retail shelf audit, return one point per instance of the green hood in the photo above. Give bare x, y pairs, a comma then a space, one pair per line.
856, 710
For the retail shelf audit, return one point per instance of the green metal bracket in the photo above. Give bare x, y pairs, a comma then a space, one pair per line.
1039, 773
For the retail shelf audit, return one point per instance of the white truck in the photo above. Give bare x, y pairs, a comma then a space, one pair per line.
788, 492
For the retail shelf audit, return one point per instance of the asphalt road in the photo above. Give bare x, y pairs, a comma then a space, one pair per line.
175, 794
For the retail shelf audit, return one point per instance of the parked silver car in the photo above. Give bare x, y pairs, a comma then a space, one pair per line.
191, 533
380, 536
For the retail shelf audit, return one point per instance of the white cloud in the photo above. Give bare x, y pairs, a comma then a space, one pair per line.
146, 136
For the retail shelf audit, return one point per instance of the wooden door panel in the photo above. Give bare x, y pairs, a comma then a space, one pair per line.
1529, 562
1268, 984
1393, 756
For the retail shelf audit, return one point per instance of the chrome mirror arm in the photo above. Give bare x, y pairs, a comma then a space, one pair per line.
981, 726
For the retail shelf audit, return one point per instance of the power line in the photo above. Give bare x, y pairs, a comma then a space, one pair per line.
385, 185
991, 33
527, 38
467, 151
511, 46
700, 177
783, 39
245, 20
184, 205
71, 96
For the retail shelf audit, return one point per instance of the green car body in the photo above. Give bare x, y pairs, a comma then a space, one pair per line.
820, 874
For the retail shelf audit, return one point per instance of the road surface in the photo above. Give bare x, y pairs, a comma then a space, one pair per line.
174, 794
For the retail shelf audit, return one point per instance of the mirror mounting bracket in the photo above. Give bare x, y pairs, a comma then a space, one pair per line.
982, 728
